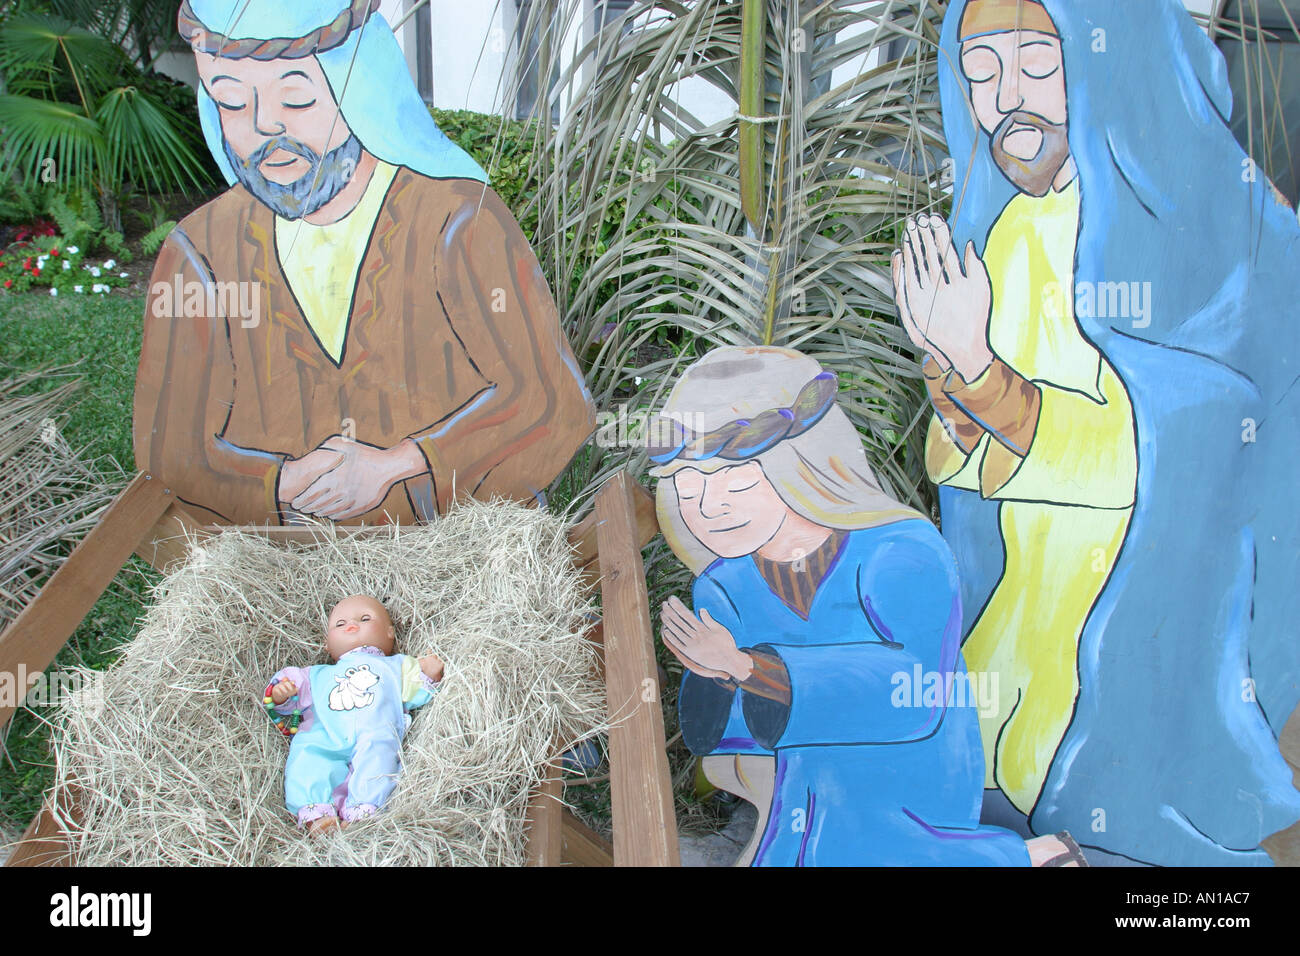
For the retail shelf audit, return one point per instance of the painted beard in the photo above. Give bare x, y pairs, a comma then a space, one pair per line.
1033, 176
325, 180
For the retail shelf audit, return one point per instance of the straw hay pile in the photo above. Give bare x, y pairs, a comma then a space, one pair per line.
50, 497
179, 764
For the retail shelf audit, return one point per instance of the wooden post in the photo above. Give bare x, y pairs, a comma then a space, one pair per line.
583, 846
583, 536
645, 830
166, 544
542, 830
44, 843
33, 639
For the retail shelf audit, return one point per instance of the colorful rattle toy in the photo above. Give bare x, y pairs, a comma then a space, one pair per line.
287, 724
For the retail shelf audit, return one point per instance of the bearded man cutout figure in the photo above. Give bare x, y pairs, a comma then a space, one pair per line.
1125, 530
405, 347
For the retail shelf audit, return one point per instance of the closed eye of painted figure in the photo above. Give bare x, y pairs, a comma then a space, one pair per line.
344, 757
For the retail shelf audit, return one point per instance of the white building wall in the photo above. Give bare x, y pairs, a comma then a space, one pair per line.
473, 44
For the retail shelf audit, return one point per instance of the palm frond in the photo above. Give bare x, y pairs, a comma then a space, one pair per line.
142, 143
39, 48
51, 496
146, 26
640, 210
37, 130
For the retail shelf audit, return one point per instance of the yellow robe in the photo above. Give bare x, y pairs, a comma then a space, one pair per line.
1066, 503
322, 263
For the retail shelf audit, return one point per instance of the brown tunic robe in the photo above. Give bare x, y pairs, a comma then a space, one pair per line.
453, 341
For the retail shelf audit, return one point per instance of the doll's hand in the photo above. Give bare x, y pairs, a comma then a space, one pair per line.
431, 664
283, 691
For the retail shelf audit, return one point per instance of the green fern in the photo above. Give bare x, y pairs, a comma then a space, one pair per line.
77, 217
115, 243
155, 237
18, 205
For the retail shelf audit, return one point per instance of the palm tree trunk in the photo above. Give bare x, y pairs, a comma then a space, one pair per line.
109, 207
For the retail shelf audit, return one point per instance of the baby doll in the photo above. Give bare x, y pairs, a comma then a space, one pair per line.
344, 755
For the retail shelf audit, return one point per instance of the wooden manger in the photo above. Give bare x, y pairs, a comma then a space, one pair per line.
147, 520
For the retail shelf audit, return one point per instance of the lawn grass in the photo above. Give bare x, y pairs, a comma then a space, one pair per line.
102, 333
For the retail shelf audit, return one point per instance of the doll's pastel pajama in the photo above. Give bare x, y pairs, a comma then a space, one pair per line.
345, 757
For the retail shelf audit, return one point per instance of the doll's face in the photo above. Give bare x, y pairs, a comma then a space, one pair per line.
356, 622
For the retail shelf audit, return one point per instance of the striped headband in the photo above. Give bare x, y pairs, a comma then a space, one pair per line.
745, 438
333, 34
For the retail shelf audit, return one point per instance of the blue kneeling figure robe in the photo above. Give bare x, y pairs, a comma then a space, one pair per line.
869, 769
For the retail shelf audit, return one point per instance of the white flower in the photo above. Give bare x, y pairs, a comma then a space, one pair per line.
66, 265
94, 271
98, 287
125, 276
73, 249
54, 292
110, 264
78, 288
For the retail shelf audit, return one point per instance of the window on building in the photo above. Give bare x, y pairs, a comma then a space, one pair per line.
908, 155
423, 28
610, 11
529, 58
607, 14
600, 14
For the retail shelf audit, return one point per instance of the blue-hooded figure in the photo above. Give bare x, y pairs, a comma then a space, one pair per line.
1189, 662
367, 74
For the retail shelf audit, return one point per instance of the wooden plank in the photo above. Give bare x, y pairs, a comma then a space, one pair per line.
309, 534
585, 542
583, 846
32, 640
167, 543
645, 830
597, 636
542, 830
1289, 743
43, 843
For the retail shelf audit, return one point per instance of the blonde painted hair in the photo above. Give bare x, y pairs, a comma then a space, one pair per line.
820, 471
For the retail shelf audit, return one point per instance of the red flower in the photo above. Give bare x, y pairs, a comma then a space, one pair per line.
54, 251
36, 273
27, 263
8, 283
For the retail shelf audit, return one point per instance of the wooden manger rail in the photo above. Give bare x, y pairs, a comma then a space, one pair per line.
146, 519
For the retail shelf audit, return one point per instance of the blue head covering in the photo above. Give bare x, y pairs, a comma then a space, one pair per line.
1189, 664
367, 74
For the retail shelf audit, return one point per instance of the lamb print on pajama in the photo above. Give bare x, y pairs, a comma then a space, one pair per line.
346, 755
